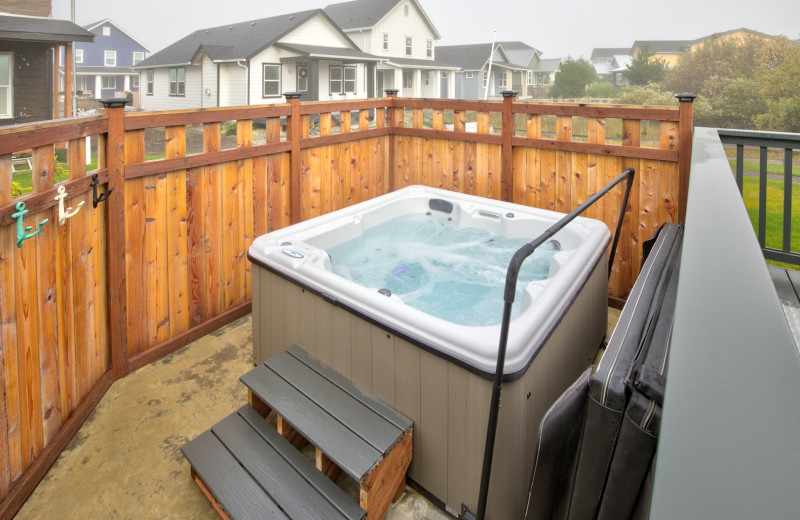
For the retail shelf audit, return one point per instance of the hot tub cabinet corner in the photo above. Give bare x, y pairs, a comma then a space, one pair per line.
447, 400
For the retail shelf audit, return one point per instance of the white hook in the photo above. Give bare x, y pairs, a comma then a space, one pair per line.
64, 215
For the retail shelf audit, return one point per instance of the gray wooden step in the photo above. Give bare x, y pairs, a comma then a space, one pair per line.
253, 472
349, 426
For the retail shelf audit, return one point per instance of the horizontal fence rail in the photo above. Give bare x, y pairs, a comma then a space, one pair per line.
161, 260
784, 145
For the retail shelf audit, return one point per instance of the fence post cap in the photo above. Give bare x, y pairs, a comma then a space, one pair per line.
391, 91
509, 93
115, 102
686, 98
292, 95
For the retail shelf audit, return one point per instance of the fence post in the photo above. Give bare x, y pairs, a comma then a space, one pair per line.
115, 257
507, 172
685, 128
293, 135
391, 93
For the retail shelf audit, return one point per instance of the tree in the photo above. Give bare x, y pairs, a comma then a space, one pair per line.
645, 68
572, 78
780, 89
601, 89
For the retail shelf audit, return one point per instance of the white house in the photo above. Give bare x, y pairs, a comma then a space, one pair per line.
400, 34
256, 62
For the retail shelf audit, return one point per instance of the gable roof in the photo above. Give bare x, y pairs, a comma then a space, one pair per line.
93, 26
469, 57
34, 28
732, 31
663, 46
234, 42
607, 52
519, 53
365, 14
549, 65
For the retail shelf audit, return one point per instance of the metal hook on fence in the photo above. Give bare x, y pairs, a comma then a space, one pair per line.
24, 234
64, 215
95, 199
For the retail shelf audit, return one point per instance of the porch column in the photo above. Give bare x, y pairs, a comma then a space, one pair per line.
398, 80
98, 87
418, 83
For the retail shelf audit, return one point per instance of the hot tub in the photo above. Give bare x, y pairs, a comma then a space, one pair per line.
433, 370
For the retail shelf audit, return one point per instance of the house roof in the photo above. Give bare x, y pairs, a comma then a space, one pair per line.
318, 51
607, 52
549, 65
519, 53
663, 46
365, 14
420, 64
94, 25
33, 28
233, 42
469, 57
621, 62
732, 31
103, 71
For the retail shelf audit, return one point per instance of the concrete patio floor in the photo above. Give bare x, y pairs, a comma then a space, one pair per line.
125, 462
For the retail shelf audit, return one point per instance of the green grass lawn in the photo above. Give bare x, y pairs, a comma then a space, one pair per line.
754, 166
774, 220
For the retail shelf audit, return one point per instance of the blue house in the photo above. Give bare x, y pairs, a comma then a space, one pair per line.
103, 67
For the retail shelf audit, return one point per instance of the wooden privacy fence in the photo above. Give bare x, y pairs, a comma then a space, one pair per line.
162, 261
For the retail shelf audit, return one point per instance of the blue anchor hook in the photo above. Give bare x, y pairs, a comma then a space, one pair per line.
24, 234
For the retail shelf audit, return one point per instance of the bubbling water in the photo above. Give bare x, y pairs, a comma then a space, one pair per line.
452, 272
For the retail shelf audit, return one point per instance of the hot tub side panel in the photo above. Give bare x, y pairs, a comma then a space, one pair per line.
448, 403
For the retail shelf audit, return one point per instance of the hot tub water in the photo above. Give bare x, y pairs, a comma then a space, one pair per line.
452, 272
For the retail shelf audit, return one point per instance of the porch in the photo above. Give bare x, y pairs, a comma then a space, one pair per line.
161, 262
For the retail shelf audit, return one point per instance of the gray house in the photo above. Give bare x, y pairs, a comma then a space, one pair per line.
255, 62
479, 77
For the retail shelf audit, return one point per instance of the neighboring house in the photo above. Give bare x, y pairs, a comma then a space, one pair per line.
479, 77
617, 68
544, 74
30, 42
103, 68
522, 54
401, 35
668, 50
602, 58
256, 62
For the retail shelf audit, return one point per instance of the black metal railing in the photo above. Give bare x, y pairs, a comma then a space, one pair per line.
766, 141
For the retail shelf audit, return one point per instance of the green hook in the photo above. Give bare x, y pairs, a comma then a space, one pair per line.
23, 235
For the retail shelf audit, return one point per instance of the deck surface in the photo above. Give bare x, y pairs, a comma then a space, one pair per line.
787, 284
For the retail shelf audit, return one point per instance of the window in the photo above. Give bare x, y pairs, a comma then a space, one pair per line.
177, 81
82, 85
109, 82
110, 58
78, 55
429, 48
468, 75
530, 77
342, 79
6, 85
408, 45
302, 77
405, 9
408, 79
386, 41
106, 31
427, 78
503, 80
272, 80
619, 78
485, 79
349, 79
149, 81
135, 82
138, 57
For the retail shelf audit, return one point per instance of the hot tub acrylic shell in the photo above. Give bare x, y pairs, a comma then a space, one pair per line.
422, 371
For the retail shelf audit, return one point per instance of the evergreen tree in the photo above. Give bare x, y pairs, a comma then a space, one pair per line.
645, 68
572, 78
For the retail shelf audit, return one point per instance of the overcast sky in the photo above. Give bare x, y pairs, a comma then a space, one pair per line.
558, 28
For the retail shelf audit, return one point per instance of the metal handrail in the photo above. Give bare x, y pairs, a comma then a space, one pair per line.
765, 140
510, 290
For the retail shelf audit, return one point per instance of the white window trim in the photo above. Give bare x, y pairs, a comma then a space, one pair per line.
503, 79
427, 78
140, 53
264, 80
7, 111
179, 92
485, 78
344, 71
385, 41
468, 75
112, 55
409, 45
78, 55
529, 77
106, 30
105, 79
149, 74
429, 48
